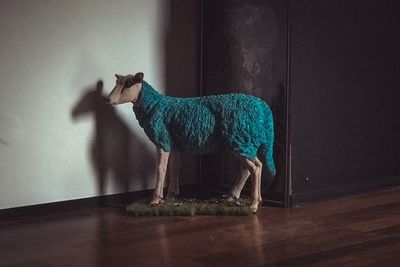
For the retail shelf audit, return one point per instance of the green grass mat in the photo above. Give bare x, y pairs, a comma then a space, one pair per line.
192, 207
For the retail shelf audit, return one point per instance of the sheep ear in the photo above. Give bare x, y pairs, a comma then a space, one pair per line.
139, 77
99, 86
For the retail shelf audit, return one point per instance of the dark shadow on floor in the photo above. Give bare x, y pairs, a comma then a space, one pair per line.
118, 155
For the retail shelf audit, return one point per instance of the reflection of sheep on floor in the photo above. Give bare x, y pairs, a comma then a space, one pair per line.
232, 122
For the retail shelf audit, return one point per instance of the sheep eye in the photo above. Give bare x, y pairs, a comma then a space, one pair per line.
128, 84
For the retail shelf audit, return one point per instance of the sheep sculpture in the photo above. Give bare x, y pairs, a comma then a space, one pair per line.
239, 123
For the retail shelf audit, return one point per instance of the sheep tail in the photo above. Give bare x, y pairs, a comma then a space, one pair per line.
267, 151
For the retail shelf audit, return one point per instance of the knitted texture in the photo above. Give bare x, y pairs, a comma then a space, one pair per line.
208, 124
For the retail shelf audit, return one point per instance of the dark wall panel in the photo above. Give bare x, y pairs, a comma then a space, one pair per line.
245, 50
345, 94
182, 65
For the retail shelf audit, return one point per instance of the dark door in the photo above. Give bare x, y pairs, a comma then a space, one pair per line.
344, 69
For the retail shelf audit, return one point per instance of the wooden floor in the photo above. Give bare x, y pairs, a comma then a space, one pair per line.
362, 230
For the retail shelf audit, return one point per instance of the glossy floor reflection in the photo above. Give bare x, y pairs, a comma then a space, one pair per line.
362, 230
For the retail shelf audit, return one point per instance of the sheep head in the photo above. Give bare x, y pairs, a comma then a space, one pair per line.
127, 89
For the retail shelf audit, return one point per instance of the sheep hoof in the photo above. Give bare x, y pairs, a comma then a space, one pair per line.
254, 206
230, 198
253, 209
155, 202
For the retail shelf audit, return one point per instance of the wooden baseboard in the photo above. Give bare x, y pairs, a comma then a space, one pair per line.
116, 200
343, 190
122, 199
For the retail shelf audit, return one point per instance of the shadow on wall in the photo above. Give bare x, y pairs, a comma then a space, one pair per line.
116, 152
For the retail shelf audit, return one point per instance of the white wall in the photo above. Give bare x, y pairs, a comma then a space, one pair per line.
51, 52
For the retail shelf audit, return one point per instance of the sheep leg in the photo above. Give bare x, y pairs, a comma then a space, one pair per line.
174, 168
259, 165
240, 182
162, 162
255, 167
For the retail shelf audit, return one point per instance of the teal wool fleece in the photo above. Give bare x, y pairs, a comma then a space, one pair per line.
202, 125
